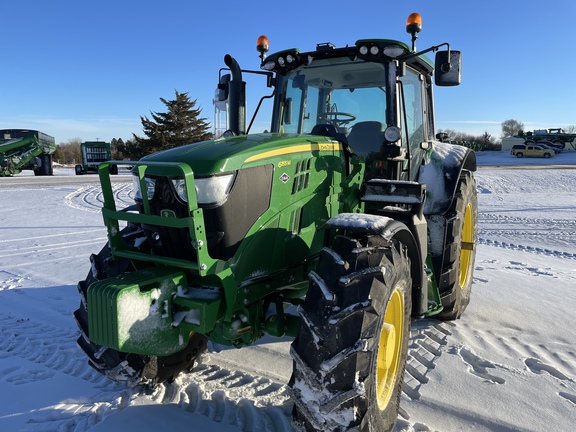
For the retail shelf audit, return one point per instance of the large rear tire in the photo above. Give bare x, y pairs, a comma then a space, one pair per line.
45, 166
455, 283
130, 369
350, 351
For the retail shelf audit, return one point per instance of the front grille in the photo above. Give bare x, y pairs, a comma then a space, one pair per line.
225, 225
166, 241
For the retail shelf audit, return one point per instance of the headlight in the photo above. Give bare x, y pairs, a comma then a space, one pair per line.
150, 187
394, 51
209, 190
180, 188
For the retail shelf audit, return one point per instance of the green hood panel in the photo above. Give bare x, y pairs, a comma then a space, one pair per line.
230, 154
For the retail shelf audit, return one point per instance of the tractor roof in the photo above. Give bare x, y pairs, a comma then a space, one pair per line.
369, 50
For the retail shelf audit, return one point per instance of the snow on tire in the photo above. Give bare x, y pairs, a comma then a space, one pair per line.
350, 351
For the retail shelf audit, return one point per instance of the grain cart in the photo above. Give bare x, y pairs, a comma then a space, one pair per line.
23, 149
93, 153
349, 209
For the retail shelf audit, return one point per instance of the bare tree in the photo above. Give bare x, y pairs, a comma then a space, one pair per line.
511, 127
68, 153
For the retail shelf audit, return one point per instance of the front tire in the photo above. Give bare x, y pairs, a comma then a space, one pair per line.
351, 348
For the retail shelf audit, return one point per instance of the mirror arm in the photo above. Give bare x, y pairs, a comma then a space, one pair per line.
433, 49
258, 108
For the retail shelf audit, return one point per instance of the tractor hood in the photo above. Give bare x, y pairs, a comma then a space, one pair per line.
230, 154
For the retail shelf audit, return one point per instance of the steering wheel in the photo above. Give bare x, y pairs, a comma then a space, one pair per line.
333, 117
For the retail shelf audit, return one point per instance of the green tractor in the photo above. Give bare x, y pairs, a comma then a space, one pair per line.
337, 228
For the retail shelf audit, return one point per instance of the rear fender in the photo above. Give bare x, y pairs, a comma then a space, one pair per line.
440, 173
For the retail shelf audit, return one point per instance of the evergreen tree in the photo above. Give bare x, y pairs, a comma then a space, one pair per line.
180, 125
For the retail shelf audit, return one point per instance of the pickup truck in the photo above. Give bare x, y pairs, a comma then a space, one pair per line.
531, 150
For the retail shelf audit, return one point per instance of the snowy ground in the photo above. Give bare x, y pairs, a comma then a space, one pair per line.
508, 365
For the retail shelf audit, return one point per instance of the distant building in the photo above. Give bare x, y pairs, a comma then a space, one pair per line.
508, 142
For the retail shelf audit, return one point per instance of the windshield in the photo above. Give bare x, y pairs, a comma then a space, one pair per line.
347, 100
341, 95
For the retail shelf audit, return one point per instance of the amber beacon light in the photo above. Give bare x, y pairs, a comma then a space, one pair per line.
414, 26
262, 46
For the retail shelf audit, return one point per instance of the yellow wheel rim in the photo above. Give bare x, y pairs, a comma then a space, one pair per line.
389, 349
467, 246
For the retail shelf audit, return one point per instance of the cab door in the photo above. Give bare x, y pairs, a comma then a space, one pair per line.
412, 115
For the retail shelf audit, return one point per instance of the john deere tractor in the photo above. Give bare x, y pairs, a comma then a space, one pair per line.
337, 228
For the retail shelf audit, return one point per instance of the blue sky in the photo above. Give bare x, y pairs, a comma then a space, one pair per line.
89, 69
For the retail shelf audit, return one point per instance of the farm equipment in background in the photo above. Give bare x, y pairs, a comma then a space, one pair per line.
93, 153
349, 210
23, 149
556, 137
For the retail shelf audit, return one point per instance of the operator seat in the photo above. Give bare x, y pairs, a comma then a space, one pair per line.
366, 137
328, 130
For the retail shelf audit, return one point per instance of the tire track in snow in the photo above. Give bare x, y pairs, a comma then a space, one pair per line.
530, 249
558, 362
501, 219
501, 230
46, 345
46, 236
43, 249
232, 397
56, 247
428, 339
78, 417
54, 350
90, 198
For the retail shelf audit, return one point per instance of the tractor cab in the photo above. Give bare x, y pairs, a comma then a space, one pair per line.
368, 102
374, 97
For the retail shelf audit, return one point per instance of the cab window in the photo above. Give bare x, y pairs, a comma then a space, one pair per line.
412, 116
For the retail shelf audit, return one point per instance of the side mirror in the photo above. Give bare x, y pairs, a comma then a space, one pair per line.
448, 68
223, 87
